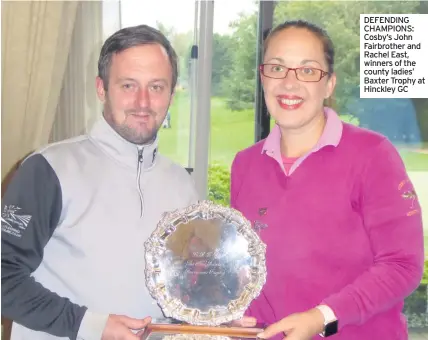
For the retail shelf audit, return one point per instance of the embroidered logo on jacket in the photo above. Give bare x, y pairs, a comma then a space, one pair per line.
408, 193
258, 225
12, 222
262, 211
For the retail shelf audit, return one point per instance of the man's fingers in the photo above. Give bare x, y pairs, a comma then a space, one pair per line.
135, 323
134, 337
146, 321
126, 334
140, 333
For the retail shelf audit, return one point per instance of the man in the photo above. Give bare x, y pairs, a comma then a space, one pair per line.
76, 214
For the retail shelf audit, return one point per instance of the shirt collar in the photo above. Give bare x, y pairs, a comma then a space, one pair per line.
331, 135
120, 149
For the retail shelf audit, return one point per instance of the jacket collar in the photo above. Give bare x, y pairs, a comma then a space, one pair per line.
331, 135
120, 149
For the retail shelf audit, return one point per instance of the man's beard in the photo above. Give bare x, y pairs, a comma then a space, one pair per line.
132, 136
128, 133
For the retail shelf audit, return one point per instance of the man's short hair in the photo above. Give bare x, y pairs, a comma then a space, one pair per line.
130, 37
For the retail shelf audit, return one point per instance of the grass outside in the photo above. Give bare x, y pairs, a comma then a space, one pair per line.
232, 131
426, 246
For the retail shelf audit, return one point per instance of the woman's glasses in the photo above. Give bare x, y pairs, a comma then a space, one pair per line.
304, 73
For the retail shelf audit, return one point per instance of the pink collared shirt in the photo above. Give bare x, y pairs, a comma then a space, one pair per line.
331, 136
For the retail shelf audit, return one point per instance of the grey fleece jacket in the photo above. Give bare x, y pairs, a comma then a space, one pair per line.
74, 221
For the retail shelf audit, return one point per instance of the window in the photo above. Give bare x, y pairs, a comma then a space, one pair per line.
179, 29
233, 90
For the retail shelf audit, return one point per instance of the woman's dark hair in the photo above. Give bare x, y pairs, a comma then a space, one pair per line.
130, 37
318, 31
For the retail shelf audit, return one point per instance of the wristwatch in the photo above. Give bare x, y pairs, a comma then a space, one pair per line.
331, 324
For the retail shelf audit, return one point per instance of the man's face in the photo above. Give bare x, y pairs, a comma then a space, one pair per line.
139, 92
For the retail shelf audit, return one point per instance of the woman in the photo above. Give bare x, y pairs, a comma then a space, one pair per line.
331, 202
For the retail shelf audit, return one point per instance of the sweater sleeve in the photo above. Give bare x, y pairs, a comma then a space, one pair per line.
392, 217
31, 208
236, 179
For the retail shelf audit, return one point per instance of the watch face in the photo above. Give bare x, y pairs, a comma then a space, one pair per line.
331, 328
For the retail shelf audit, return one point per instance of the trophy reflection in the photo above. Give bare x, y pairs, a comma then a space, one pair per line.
204, 266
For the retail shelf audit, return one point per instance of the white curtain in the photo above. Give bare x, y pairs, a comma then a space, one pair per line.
79, 106
36, 37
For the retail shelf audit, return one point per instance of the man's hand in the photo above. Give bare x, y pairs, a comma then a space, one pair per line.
299, 326
119, 327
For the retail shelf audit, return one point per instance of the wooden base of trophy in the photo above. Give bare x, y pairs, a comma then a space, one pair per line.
187, 331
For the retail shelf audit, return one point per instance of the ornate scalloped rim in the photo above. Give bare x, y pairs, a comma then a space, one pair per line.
173, 307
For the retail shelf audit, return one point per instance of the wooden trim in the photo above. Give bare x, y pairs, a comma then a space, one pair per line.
239, 332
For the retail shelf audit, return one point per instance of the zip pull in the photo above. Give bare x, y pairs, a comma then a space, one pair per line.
140, 155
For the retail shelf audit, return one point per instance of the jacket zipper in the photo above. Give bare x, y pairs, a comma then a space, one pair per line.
140, 164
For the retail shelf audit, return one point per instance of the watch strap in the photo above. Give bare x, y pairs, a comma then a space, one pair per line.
330, 320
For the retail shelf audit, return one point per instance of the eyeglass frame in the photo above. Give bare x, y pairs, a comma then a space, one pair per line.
323, 73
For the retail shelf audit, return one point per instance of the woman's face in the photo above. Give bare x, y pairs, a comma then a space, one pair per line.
292, 103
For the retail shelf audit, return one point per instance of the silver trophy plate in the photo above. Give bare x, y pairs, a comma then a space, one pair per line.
205, 264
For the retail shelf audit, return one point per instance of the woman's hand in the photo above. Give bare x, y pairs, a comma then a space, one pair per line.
246, 321
299, 326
